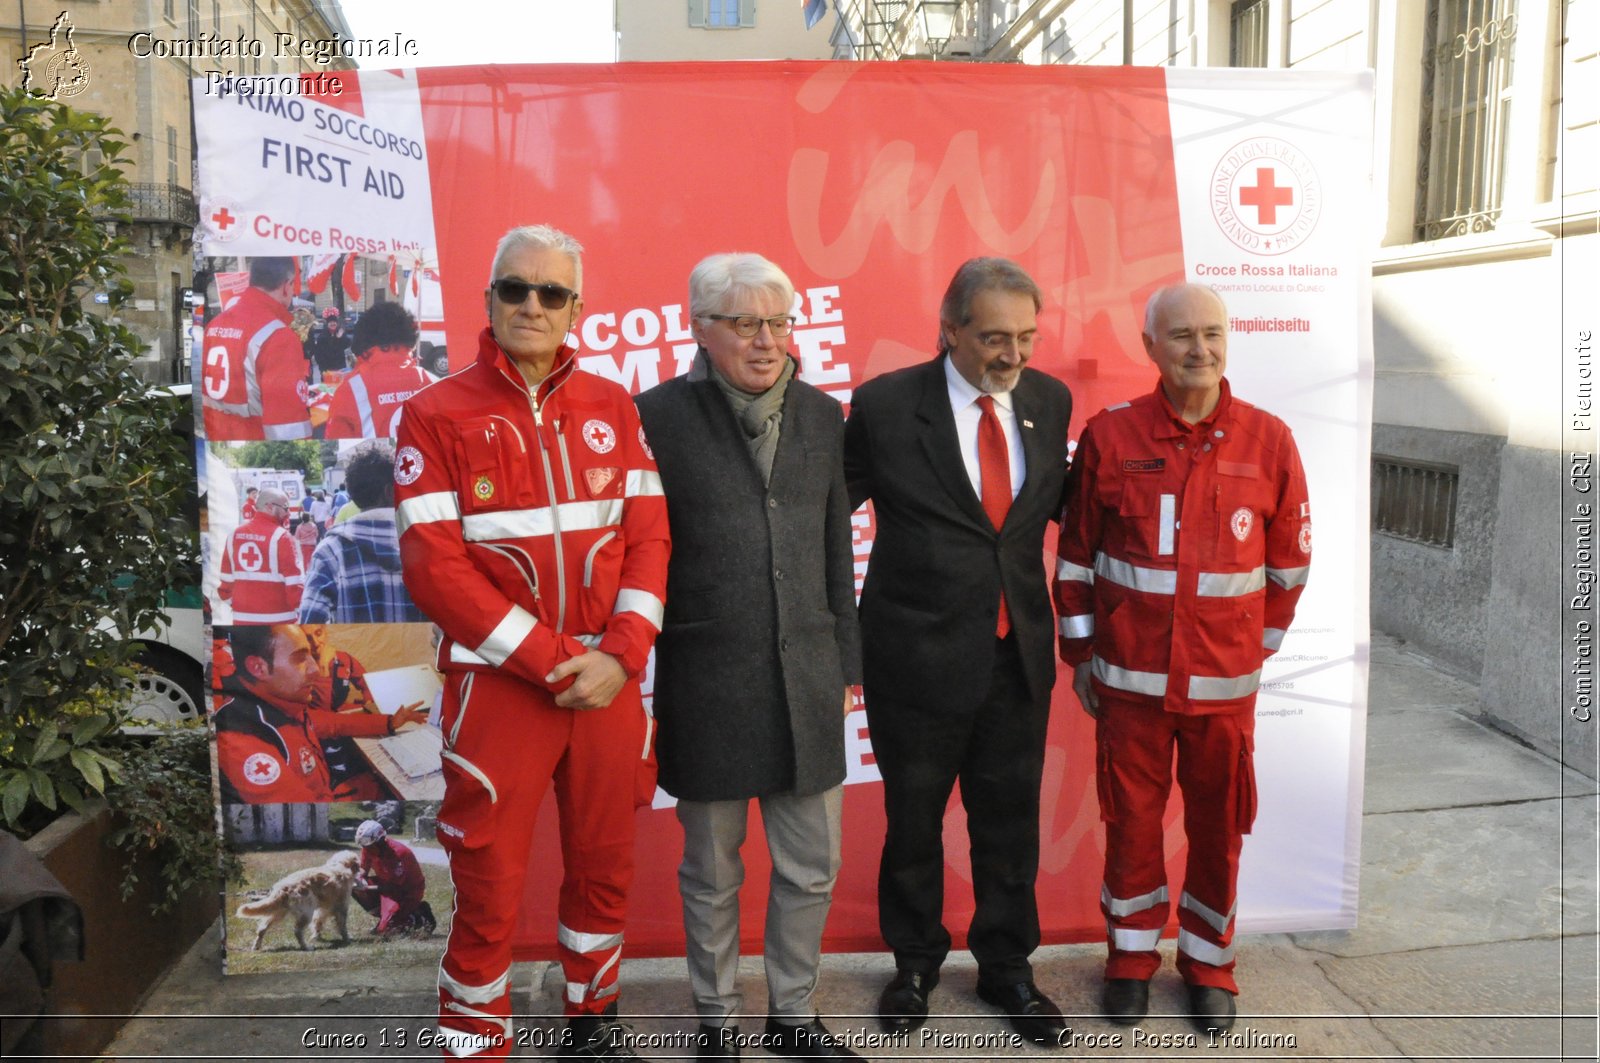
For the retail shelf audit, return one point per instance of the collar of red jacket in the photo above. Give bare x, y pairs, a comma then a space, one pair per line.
1175, 425
266, 303
493, 356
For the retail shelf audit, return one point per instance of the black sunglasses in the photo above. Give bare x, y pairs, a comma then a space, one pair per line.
513, 292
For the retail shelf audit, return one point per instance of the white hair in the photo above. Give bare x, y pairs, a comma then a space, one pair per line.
1159, 294
542, 237
721, 279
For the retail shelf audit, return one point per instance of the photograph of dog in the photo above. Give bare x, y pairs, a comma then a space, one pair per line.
308, 896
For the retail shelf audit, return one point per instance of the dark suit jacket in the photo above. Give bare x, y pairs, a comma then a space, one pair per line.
938, 565
760, 636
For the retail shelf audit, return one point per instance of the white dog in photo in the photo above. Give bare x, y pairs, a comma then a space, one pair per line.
310, 895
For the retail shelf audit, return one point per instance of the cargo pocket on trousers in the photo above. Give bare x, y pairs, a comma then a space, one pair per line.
644, 775
1244, 783
466, 818
1102, 773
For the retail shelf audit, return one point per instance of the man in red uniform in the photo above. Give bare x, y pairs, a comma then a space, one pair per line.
533, 532
269, 739
261, 575
391, 883
255, 382
367, 402
1186, 551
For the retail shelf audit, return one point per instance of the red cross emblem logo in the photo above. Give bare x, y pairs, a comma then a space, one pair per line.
250, 558
407, 466
1266, 195
601, 437
224, 218
261, 769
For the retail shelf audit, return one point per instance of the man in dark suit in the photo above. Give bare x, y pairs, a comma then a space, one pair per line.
758, 646
964, 458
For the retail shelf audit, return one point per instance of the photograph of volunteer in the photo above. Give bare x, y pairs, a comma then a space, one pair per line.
534, 534
255, 380
366, 402
354, 576
270, 729
1185, 549
753, 673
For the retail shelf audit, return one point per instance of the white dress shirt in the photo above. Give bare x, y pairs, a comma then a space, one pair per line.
964, 404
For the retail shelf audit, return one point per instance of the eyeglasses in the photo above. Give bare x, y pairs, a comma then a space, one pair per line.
514, 292
747, 325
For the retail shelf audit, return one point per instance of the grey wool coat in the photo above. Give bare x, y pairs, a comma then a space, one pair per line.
760, 636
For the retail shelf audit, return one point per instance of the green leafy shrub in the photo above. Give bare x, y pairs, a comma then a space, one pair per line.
92, 478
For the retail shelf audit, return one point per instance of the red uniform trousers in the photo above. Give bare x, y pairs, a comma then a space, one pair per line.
506, 743
1133, 773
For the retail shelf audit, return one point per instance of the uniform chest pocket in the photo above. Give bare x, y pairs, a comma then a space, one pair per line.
1149, 516
494, 470
1242, 503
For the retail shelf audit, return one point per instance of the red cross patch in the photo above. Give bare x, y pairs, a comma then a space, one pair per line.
1242, 521
250, 558
261, 769
407, 466
308, 761
601, 437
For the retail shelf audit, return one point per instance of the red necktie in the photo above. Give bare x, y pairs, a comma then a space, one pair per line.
994, 468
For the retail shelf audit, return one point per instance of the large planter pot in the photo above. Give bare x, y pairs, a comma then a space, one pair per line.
126, 949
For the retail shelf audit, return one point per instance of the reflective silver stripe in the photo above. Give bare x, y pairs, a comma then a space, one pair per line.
477, 773
265, 618
1151, 683
1231, 584
1125, 940
1288, 578
237, 409
588, 559
589, 641
647, 605
594, 983
1151, 580
1066, 570
643, 482
1223, 688
244, 576
527, 523
1121, 907
503, 641
459, 654
1169, 524
1077, 627
475, 994
1214, 918
1272, 639
578, 941
358, 391
461, 712
426, 509
252, 381
577, 990
297, 430
1197, 947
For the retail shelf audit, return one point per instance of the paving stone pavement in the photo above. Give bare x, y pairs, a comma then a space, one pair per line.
1476, 940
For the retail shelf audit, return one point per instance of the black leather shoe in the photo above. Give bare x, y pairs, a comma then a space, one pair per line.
811, 1041
1031, 1013
1211, 1008
718, 1042
903, 1005
1126, 1000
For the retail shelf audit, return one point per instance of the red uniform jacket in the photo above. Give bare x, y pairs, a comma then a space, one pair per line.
255, 383
392, 868
366, 404
261, 573
269, 756
1183, 553
532, 526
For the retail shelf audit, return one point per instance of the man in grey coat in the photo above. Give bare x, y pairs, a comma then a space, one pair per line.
759, 648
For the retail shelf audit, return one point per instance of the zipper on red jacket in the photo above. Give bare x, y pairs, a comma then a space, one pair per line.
555, 509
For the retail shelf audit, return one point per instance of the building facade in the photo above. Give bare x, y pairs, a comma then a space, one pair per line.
718, 30
131, 60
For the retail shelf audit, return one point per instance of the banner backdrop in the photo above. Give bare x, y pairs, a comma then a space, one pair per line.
869, 184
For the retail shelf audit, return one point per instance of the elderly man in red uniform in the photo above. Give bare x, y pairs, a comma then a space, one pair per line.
533, 532
260, 575
367, 402
1180, 568
255, 383
391, 883
269, 738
